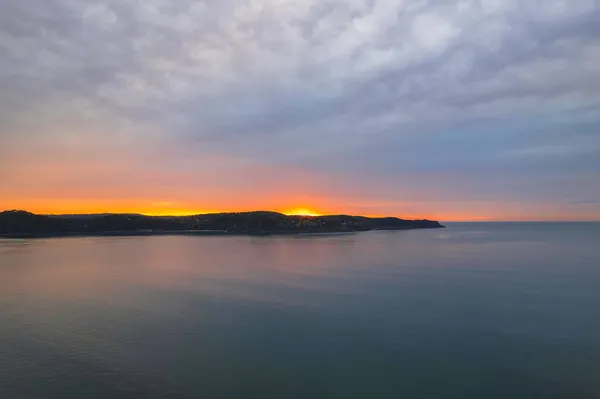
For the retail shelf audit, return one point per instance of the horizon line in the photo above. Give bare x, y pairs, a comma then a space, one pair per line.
480, 220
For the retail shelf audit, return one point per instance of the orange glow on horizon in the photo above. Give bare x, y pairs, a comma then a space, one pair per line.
327, 207
176, 212
301, 212
74, 177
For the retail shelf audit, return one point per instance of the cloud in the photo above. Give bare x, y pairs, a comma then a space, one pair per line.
462, 98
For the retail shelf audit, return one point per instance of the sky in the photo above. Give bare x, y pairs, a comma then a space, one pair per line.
448, 110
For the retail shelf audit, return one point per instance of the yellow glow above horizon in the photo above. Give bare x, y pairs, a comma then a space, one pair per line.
301, 212
175, 213
441, 211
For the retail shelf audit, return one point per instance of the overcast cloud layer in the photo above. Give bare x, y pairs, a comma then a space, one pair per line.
487, 108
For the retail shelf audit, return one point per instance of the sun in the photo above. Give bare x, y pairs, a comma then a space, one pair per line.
301, 212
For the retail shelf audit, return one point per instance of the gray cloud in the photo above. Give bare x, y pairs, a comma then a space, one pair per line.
498, 97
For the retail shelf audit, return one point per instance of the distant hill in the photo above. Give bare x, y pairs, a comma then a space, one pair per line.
25, 224
89, 215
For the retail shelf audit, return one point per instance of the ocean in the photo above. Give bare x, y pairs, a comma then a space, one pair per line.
476, 310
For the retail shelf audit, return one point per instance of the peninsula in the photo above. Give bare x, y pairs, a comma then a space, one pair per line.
22, 224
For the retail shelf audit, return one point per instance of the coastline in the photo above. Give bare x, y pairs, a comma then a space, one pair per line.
192, 233
22, 224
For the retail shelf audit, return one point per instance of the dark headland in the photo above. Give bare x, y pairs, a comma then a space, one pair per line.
21, 224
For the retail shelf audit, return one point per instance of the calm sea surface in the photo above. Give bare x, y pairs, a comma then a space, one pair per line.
472, 311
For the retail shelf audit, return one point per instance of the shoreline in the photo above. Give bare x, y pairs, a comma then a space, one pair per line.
195, 233
22, 224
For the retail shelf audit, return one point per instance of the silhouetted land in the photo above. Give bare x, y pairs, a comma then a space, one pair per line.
20, 224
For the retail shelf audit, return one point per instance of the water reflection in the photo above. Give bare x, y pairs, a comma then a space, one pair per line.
470, 311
